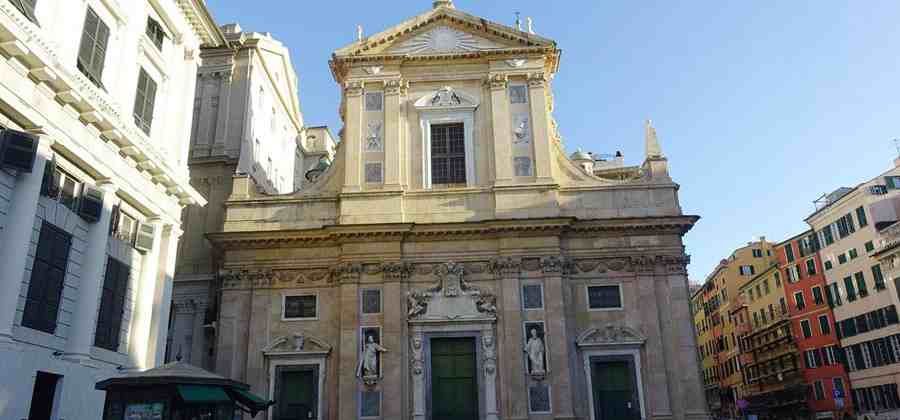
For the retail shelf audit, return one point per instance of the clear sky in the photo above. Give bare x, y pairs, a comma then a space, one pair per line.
761, 106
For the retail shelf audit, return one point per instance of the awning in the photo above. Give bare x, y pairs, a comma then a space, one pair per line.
203, 394
252, 403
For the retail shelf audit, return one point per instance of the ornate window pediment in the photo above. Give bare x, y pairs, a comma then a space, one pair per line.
451, 299
446, 98
298, 344
611, 335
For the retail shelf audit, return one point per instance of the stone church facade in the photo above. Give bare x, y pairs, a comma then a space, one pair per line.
453, 262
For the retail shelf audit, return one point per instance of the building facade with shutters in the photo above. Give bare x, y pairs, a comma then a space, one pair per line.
717, 330
453, 262
92, 185
247, 120
809, 303
848, 224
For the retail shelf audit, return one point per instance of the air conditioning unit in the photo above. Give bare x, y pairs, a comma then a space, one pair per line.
145, 236
90, 205
18, 150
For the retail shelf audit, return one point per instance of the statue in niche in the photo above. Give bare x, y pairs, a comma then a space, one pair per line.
521, 130
535, 350
368, 363
373, 138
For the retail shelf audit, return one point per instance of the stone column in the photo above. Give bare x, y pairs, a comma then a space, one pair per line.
537, 87
16, 238
393, 133
93, 273
558, 351
513, 392
656, 323
146, 286
159, 325
502, 132
353, 137
348, 275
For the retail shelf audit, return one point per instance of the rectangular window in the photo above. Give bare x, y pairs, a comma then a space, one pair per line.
817, 295
92, 52
811, 267
48, 275
879, 277
861, 217
824, 324
789, 252
870, 246
300, 307
112, 305
798, 299
807, 329
448, 154
374, 173
828, 235
532, 297
43, 395
604, 297
810, 358
747, 270
829, 265
518, 94
861, 288
374, 101
853, 253
371, 301
851, 289
156, 33
820, 390
757, 253
842, 259
144, 101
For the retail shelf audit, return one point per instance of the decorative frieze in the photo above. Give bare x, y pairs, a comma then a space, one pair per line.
396, 271
506, 266
346, 272
497, 81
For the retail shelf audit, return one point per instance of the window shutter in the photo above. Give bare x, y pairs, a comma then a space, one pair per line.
47, 276
114, 220
100, 49
891, 182
118, 309
145, 237
85, 51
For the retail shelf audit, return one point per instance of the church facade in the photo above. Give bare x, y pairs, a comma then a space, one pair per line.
453, 262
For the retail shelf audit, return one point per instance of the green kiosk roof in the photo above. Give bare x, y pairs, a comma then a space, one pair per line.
203, 394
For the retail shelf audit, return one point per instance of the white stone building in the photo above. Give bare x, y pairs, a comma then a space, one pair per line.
99, 94
247, 120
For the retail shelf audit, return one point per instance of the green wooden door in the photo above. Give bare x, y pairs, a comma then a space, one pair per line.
615, 394
297, 394
454, 388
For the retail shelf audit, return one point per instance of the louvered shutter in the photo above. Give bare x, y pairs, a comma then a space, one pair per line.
118, 309
47, 277
102, 336
86, 50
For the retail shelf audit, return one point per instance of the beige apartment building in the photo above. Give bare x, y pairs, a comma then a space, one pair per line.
850, 224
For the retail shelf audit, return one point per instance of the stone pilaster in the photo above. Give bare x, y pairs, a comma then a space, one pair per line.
143, 312
159, 321
558, 352
93, 269
489, 364
348, 274
393, 331
498, 84
394, 91
353, 132
223, 116
417, 369
512, 390
16, 236
656, 325
537, 87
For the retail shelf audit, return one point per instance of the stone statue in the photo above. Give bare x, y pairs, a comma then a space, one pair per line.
299, 342
415, 303
535, 350
368, 363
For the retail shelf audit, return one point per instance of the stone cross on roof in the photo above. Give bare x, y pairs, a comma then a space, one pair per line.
443, 3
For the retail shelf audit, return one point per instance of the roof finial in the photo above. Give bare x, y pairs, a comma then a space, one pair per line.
443, 3
652, 142
518, 21
530, 24
359, 33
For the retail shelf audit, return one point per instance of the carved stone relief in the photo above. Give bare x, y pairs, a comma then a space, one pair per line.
451, 298
442, 40
373, 137
521, 129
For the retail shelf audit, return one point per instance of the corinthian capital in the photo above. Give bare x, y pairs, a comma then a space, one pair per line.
506, 266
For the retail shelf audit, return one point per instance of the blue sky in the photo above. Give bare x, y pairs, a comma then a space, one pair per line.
761, 106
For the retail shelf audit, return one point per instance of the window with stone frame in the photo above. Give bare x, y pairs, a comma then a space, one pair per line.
448, 154
48, 274
370, 301
112, 305
532, 297
144, 101
604, 297
156, 33
299, 307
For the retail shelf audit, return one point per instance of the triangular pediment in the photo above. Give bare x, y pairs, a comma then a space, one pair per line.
444, 31
297, 344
